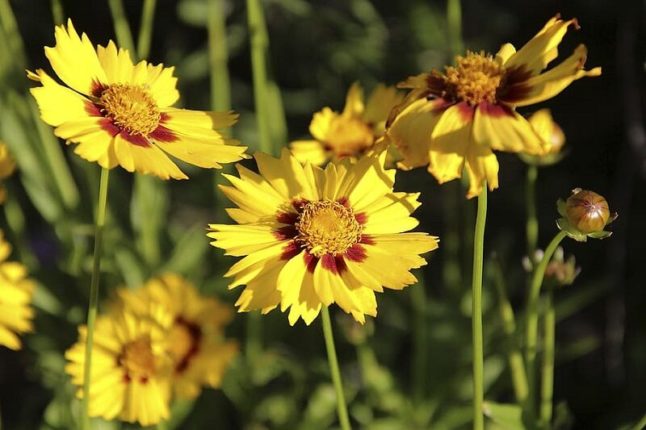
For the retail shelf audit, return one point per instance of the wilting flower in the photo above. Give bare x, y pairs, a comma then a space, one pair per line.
16, 292
455, 119
195, 340
130, 366
311, 237
585, 214
551, 136
350, 133
7, 167
120, 113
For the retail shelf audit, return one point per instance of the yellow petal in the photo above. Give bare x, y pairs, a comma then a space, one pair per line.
503, 129
320, 124
117, 64
380, 103
145, 159
354, 101
451, 140
57, 103
482, 165
309, 151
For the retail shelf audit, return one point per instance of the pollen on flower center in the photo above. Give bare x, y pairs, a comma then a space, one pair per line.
131, 107
348, 136
327, 227
475, 78
137, 358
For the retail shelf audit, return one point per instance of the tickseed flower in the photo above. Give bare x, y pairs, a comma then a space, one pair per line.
551, 136
120, 113
130, 366
585, 214
16, 291
195, 340
7, 167
454, 119
350, 133
311, 237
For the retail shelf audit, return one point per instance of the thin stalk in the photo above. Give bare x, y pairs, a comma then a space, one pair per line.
531, 334
12, 34
641, 424
476, 312
58, 13
532, 220
454, 21
146, 29
514, 354
420, 347
218, 57
547, 373
121, 27
94, 292
341, 407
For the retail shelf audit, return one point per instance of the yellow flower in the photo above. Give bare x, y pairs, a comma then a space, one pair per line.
311, 237
16, 292
551, 136
130, 366
120, 113
7, 167
196, 341
350, 133
455, 119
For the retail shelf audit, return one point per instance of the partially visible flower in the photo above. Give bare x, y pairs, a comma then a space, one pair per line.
310, 237
585, 214
120, 113
130, 367
7, 167
559, 272
457, 118
351, 133
195, 340
16, 291
552, 137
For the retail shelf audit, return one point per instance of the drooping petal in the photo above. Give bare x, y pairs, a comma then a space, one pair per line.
503, 129
482, 165
451, 139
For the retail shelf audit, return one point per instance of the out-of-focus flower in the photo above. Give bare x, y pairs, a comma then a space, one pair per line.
311, 237
559, 271
7, 167
130, 366
16, 291
552, 137
120, 113
456, 118
585, 214
195, 340
350, 133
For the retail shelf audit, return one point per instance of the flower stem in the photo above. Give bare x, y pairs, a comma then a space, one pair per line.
420, 347
547, 373
146, 29
530, 202
476, 311
454, 21
531, 334
641, 424
218, 57
94, 293
57, 12
342, 409
121, 27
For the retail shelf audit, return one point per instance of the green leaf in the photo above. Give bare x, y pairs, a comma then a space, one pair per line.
509, 417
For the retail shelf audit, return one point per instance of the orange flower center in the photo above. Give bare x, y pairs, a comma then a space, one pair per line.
348, 136
327, 227
131, 107
474, 79
138, 359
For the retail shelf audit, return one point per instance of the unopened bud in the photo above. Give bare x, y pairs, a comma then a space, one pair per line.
587, 211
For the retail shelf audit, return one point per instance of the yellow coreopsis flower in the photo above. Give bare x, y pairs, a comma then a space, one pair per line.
311, 237
120, 113
130, 366
16, 291
7, 167
551, 136
455, 119
195, 340
350, 133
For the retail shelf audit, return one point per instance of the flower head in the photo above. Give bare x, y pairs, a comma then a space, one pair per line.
311, 237
454, 119
350, 133
195, 340
16, 291
551, 136
120, 113
585, 214
130, 366
7, 167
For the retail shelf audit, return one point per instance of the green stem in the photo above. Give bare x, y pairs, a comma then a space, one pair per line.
121, 27
420, 352
218, 57
334, 369
454, 21
94, 293
146, 29
476, 311
532, 221
12, 34
58, 13
547, 374
514, 354
531, 334
641, 424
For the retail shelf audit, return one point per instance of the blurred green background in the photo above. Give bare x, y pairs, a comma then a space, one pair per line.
409, 368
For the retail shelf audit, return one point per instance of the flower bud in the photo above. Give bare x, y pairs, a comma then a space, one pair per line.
551, 136
587, 211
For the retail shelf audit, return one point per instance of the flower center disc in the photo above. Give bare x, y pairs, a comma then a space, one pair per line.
184, 342
327, 227
131, 107
475, 78
349, 136
137, 358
